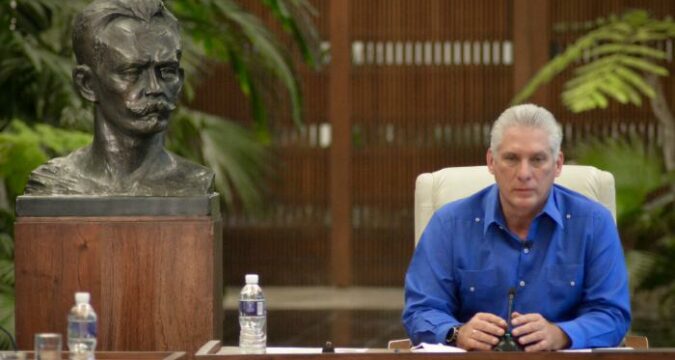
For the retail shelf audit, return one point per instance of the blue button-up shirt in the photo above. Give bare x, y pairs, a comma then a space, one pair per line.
570, 269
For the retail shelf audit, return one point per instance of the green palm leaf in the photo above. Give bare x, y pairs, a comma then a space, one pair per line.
639, 264
6, 276
226, 32
637, 170
636, 80
632, 49
296, 18
23, 148
620, 49
241, 163
7, 301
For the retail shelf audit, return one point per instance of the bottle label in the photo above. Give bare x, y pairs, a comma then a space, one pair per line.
252, 307
83, 329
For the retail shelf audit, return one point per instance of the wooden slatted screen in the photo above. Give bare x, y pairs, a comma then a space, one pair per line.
428, 78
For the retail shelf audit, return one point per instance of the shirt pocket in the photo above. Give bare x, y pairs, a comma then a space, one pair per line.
565, 284
477, 289
563, 275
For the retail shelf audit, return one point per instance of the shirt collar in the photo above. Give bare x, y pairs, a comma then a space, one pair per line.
493, 210
551, 209
494, 215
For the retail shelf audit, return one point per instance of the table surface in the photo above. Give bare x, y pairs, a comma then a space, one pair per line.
213, 350
106, 355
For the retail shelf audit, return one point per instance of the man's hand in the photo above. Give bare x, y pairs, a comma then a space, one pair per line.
537, 334
482, 332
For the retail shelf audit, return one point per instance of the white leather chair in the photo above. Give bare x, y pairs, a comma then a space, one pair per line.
433, 190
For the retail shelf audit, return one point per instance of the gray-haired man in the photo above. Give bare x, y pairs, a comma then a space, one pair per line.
558, 249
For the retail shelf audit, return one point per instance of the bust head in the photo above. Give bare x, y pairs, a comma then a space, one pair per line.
128, 64
128, 54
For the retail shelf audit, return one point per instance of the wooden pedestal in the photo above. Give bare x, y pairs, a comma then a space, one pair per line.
155, 281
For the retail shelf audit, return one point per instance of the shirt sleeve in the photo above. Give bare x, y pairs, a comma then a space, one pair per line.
604, 314
430, 299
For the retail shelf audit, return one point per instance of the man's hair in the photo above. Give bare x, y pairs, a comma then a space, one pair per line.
93, 19
527, 115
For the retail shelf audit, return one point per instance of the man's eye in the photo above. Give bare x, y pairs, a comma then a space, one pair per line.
510, 159
538, 160
168, 72
130, 74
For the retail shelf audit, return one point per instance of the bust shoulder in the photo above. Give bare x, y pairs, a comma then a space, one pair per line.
167, 175
60, 176
186, 178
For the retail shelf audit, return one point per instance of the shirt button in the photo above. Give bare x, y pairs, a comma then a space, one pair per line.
472, 289
501, 227
522, 283
572, 283
477, 219
526, 250
568, 216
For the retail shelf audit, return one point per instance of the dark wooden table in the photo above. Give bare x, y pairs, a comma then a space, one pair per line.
213, 350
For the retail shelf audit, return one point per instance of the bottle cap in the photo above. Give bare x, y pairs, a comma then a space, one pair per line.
328, 347
251, 279
82, 297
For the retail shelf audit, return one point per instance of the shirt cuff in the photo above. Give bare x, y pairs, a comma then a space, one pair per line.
442, 333
574, 332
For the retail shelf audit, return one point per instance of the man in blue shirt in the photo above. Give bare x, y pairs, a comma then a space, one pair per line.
558, 249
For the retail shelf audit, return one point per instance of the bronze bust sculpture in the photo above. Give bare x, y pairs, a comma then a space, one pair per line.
128, 64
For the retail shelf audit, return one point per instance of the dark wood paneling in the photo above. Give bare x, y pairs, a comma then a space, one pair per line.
340, 118
531, 38
425, 87
296, 253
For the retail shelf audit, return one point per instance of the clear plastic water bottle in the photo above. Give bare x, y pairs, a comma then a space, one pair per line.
82, 328
252, 318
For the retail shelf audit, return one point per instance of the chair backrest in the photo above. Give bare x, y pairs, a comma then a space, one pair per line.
433, 190
399, 344
636, 342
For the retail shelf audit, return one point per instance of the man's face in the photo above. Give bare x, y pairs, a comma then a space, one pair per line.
138, 78
524, 169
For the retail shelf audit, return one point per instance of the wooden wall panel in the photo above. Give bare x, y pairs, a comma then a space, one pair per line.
426, 84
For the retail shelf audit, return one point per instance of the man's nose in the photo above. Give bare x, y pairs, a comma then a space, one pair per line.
524, 170
153, 85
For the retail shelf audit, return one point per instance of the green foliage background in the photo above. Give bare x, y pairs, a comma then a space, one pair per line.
645, 210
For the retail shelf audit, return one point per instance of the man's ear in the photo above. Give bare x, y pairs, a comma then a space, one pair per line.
181, 76
490, 161
559, 163
83, 78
